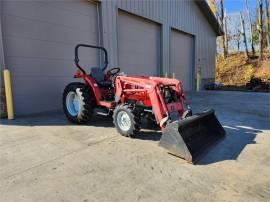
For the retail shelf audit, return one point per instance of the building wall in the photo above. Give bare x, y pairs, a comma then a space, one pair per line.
2, 57
181, 15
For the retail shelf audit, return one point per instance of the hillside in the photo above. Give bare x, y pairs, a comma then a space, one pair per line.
237, 70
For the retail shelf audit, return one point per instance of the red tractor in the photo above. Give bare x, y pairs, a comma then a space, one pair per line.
130, 99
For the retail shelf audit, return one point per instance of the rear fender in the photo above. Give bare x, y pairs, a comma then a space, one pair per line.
93, 85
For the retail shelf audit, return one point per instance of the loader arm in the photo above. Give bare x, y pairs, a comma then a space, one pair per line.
178, 84
150, 87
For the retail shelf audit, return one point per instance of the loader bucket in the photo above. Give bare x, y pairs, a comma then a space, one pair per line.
190, 137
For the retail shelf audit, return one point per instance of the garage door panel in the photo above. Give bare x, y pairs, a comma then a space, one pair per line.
40, 95
71, 6
23, 66
48, 50
23, 28
40, 38
40, 85
137, 22
142, 66
182, 57
139, 45
43, 67
41, 11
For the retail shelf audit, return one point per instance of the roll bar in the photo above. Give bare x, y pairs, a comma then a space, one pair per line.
90, 46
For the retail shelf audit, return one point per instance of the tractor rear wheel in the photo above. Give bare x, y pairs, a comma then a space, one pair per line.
78, 102
125, 120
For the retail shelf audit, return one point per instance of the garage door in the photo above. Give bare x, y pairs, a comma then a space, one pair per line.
39, 40
139, 45
182, 57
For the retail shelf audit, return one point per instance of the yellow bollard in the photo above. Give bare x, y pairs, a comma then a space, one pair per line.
166, 75
198, 86
8, 92
173, 75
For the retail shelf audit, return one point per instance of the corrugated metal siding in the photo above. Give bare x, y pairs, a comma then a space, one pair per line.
183, 15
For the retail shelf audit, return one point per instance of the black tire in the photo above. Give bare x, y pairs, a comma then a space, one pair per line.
134, 121
86, 102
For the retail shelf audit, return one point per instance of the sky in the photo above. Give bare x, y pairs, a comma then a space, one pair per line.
234, 6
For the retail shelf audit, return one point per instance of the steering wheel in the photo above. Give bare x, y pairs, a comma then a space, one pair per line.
113, 71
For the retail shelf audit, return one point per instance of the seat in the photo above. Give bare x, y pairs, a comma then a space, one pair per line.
99, 76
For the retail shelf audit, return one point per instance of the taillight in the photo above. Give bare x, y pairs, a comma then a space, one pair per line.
78, 72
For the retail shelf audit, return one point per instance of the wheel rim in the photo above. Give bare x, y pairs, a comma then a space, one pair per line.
123, 120
73, 103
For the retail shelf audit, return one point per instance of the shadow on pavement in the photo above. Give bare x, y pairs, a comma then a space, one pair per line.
149, 135
55, 119
229, 148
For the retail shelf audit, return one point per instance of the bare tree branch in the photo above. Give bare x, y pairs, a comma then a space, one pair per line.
244, 33
223, 23
250, 28
267, 23
260, 26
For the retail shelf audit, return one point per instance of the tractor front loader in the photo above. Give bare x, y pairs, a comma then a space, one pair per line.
132, 98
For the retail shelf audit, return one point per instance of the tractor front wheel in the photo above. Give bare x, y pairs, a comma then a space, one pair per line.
78, 103
125, 121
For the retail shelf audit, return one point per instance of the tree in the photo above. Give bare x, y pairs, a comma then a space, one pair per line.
223, 25
234, 42
238, 39
244, 33
212, 4
260, 27
226, 35
250, 28
234, 34
267, 23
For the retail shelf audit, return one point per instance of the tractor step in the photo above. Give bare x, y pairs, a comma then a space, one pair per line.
102, 111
